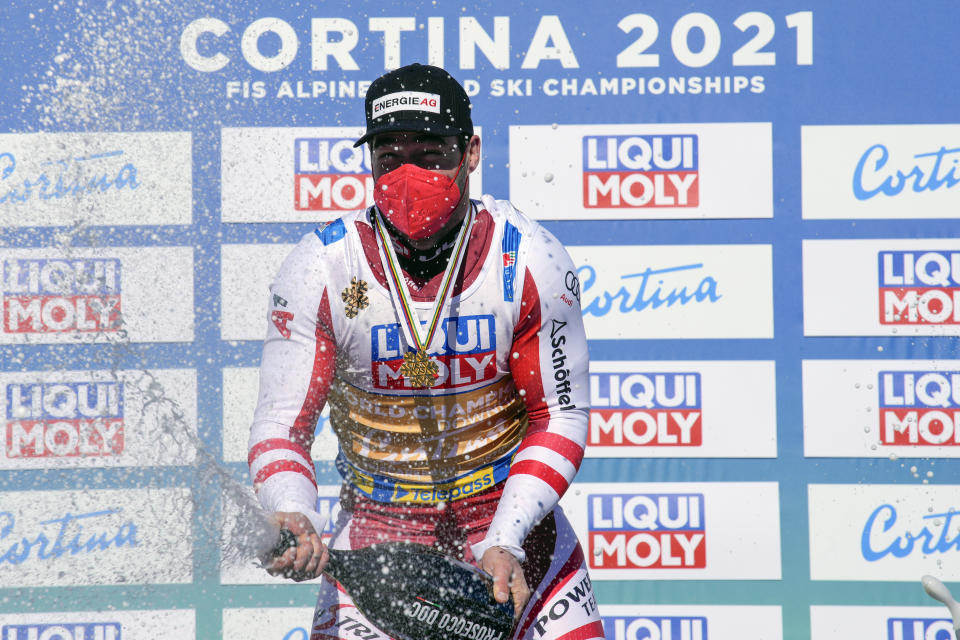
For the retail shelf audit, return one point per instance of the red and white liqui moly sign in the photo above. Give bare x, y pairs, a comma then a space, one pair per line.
138, 294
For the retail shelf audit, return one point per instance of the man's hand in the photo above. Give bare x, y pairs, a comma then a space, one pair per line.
508, 579
308, 558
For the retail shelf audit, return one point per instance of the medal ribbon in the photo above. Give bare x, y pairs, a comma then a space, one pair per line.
410, 320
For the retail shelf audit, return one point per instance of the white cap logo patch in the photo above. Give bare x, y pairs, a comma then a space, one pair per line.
406, 101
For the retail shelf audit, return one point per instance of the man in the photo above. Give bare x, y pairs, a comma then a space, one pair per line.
446, 335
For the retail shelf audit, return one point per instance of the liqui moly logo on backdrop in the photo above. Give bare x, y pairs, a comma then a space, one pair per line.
468, 356
329, 508
64, 419
62, 631
656, 627
649, 408
646, 531
919, 407
919, 287
331, 175
61, 295
640, 171
919, 629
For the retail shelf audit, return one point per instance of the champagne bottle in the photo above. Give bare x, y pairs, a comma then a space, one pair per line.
412, 592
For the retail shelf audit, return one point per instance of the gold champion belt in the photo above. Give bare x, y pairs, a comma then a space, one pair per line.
385, 489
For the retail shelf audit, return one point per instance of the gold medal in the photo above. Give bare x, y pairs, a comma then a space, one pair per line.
419, 368
355, 297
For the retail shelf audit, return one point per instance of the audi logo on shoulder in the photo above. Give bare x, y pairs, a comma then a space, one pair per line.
573, 284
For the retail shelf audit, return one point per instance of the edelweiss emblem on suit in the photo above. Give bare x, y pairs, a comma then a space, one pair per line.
355, 297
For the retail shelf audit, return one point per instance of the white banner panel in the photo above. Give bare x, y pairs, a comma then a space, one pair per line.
689, 622
298, 174
881, 287
880, 171
240, 389
677, 409
281, 623
677, 531
883, 532
66, 419
880, 623
161, 624
136, 294
64, 179
676, 291
878, 408
642, 171
246, 272
247, 570
96, 537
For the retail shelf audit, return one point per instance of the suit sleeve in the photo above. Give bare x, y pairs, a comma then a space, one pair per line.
296, 370
549, 364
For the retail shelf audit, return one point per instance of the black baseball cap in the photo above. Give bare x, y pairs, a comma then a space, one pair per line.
417, 97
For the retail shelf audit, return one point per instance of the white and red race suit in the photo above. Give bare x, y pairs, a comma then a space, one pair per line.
479, 459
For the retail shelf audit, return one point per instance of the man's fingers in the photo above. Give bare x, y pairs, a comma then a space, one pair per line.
521, 593
322, 561
508, 578
318, 559
282, 563
501, 582
304, 553
301, 562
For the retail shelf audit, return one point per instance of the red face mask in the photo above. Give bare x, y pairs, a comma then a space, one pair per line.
417, 201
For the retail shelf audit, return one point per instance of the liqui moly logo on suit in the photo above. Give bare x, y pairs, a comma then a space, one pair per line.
330, 174
467, 357
640, 171
919, 287
46, 295
919, 407
647, 531
64, 419
649, 408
